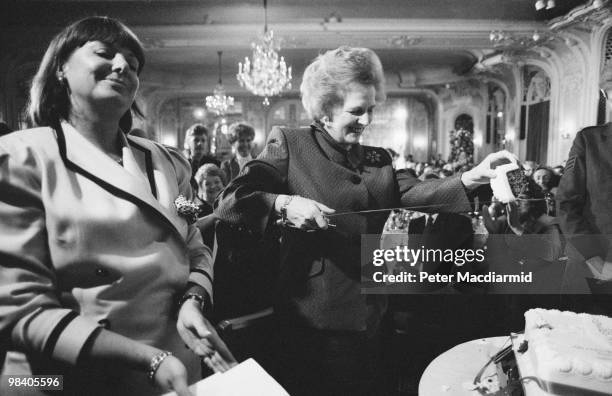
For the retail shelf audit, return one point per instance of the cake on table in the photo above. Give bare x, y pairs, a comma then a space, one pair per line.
570, 353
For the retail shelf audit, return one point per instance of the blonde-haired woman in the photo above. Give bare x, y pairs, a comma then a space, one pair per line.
328, 330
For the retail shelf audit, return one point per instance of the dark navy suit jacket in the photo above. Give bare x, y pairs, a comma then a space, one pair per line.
319, 283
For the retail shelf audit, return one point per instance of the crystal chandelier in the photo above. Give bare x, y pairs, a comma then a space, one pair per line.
219, 102
541, 4
266, 75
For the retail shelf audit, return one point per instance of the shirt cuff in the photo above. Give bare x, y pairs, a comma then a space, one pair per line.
202, 278
59, 332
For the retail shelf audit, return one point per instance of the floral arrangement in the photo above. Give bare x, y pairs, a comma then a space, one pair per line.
462, 148
187, 209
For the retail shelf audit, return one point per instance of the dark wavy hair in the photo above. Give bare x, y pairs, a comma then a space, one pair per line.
49, 101
238, 130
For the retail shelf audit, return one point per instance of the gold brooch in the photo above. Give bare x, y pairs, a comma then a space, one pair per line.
373, 157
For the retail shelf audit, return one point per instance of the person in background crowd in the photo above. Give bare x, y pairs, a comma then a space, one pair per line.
438, 162
444, 173
240, 136
197, 150
410, 164
427, 170
328, 339
94, 256
543, 177
211, 181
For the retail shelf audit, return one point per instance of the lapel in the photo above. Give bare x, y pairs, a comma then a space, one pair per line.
353, 161
376, 179
235, 168
129, 182
138, 161
334, 154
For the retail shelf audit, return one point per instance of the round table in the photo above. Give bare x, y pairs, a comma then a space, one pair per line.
453, 372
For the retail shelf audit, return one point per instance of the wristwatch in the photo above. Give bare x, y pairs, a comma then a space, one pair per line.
202, 300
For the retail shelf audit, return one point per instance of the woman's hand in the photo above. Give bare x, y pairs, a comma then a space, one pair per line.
484, 172
202, 338
304, 213
172, 375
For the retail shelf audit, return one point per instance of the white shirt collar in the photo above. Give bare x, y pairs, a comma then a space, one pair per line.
243, 160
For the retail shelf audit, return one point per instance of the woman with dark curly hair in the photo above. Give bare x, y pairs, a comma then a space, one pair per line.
96, 263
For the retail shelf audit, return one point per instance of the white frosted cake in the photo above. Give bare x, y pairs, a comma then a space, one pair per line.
571, 353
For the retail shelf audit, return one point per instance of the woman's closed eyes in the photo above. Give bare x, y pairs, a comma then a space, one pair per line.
109, 53
358, 112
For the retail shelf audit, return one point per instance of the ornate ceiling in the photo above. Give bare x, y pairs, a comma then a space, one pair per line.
419, 40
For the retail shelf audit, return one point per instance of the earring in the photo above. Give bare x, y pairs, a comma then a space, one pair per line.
61, 78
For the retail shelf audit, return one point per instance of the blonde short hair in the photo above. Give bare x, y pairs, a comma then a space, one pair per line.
209, 170
326, 78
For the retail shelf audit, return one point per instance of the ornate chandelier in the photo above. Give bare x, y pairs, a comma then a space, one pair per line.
266, 75
219, 102
541, 4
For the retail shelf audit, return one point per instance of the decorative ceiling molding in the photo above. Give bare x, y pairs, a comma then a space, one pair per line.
587, 15
383, 33
404, 41
511, 41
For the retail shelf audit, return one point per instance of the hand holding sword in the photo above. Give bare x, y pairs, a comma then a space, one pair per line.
302, 213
